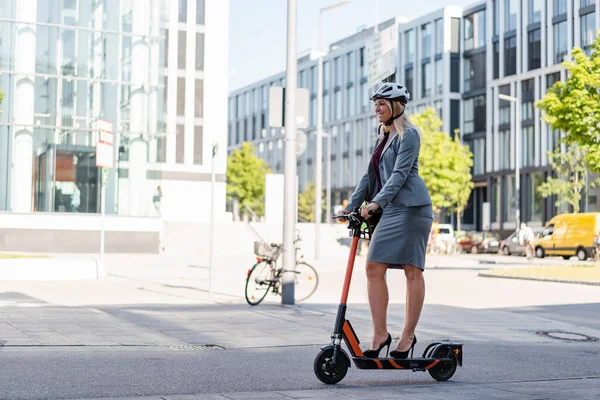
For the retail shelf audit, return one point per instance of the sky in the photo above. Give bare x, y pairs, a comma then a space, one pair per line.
257, 29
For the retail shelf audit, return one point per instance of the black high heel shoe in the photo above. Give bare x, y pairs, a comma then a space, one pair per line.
375, 353
404, 354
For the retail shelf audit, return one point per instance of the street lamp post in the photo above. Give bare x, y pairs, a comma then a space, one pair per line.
290, 183
215, 150
319, 152
517, 154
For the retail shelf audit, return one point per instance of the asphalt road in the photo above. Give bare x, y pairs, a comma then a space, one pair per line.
84, 374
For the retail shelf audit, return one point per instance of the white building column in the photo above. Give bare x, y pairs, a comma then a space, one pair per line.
22, 173
140, 56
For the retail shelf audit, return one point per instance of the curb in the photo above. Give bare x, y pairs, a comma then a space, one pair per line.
528, 278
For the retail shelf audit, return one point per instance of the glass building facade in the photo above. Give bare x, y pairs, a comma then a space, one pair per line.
65, 65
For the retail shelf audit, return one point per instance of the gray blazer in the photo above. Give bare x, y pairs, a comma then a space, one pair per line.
399, 171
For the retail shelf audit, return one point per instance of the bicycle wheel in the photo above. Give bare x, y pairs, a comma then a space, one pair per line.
258, 282
306, 281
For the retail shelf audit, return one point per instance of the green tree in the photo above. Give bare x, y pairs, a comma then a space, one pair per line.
1, 96
246, 178
573, 105
306, 203
570, 168
444, 164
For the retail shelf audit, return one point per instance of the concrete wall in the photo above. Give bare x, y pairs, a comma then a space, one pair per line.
78, 233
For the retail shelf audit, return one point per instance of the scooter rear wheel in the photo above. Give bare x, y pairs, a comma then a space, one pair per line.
326, 371
442, 371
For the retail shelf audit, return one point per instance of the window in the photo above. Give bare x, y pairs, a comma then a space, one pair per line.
180, 144
426, 80
475, 30
510, 207
496, 60
199, 51
326, 75
326, 108
510, 15
560, 42
527, 98
198, 145
495, 16
468, 117
535, 11
181, 50
200, 12
560, 7
474, 115
181, 97
439, 108
302, 80
265, 97
166, 49
426, 39
350, 67
504, 147
338, 71
439, 36
496, 196
351, 101
410, 46
475, 72
536, 199
408, 79
551, 79
588, 31
199, 98
439, 76
510, 56
338, 104
313, 80
478, 156
363, 63
527, 146
535, 49
182, 10
585, 3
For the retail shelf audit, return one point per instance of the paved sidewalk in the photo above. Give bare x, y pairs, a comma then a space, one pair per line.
581, 389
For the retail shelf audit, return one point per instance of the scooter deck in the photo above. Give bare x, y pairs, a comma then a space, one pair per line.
415, 364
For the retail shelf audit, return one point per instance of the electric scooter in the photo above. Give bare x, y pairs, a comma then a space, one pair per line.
440, 359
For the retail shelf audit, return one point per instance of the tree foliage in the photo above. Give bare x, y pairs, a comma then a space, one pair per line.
246, 178
306, 203
444, 163
570, 168
573, 105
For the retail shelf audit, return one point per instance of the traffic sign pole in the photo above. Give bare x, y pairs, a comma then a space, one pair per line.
104, 160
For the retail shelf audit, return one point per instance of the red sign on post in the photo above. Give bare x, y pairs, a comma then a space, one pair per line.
104, 147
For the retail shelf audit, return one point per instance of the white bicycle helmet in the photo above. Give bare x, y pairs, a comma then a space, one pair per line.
391, 91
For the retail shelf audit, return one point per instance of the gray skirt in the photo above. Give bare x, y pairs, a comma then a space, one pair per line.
401, 236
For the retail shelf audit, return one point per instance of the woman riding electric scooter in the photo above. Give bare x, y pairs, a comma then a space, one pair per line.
392, 184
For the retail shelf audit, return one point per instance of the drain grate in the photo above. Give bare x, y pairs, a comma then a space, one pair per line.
202, 347
567, 336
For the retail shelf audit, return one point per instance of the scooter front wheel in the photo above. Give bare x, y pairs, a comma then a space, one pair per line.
326, 370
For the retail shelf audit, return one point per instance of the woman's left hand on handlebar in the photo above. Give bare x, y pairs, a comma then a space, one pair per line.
364, 211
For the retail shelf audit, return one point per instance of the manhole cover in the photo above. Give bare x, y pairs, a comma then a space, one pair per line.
197, 347
567, 336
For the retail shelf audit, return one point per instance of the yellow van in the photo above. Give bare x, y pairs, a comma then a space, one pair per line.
569, 235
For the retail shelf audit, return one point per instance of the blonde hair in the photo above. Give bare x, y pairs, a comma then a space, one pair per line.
401, 123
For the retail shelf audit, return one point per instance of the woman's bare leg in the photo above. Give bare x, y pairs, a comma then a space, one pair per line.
378, 301
415, 296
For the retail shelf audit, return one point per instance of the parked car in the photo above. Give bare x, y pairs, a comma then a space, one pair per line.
569, 235
511, 245
480, 242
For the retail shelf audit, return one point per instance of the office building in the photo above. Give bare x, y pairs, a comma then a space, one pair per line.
146, 67
456, 60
